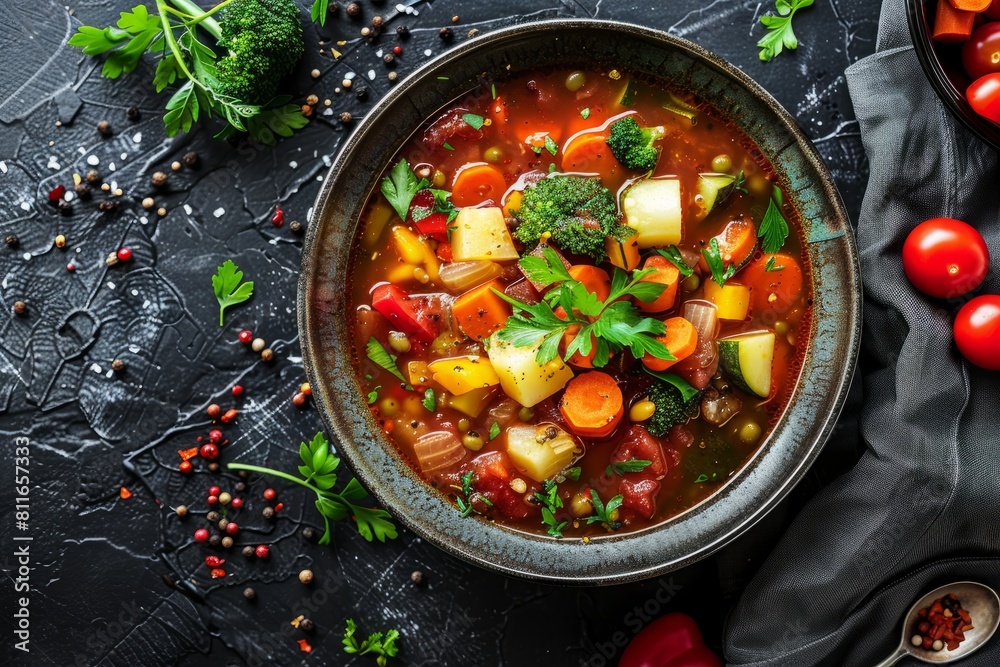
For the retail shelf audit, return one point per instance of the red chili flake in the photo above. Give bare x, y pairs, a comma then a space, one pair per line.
304, 645
214, 561
56, 193
262, 551
246, 336
229, 416
188, 454
218, 573
237, 390
124, 254
397, 50
279, 507
185, 467
279, 217
125, 493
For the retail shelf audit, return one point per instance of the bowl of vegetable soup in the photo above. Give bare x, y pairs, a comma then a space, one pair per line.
579, 301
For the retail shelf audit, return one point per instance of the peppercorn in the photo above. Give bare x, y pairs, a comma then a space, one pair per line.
213, 516
393, 76
366, 32
93, 177
71, 267
361, 93
214, 410
105, 187
212, 499
307, 625
148, 203
446, 34
236, 503
201, 535
124, 254
82, 190
403, 31
12, 241
64, 207
181, 510
308, 533
232, 528
248, 551
346, 117
312, 100
377, 21
175, 165
242, 474
306, 576
270, 494
104, 127
240, 486
57, 193
417, 577
262, 551
215, 437
209, 451
315, 74
133, 113
161, 212
248, 592
295, 226
353, 9
237, 390
223, 522
225, 498
306, 110
227, 542
229, 415
246, 336
60, 241
258, 345
299, 399
117, 365
268, 513
388, 58
107, 206
213, 467
159, 179
215, 540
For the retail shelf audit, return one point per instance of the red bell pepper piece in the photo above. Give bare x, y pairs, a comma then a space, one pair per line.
434, 225
673, 640
399, 309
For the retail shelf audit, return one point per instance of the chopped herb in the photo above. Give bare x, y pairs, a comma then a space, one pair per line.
771, 266
464, 496
780, 34
399, 187
602, 513
773, 228
442, 78
585, 114
381, 645
675, 257
707, 478
550, 502
473, 120
494, 430
381, 356
229, 288
429, 401
713, 257
622, 467
573, 473
373, 395
442, 203
552, 168
493, 90
447, 146
537, 150
550, 145
741, 182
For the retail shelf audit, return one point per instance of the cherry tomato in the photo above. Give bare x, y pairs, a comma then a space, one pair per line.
977, 331
945, 258
984, 96
981, 54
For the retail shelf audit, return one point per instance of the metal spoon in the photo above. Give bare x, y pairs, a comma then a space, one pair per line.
983, 606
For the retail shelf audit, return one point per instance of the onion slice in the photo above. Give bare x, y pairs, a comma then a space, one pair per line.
461, 276
440, 449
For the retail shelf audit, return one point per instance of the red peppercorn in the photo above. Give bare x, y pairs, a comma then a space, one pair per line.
209, 451
71, 267
279, 217
237, 390
237, 503
124, 254
218, 573
230, 415
214, 561
56, 193
269, 494
215, 436
214, 490
232, 528
213, 500
185, 467
397, 50
262, 551
214, 411
246, 336
201, 535
299, 399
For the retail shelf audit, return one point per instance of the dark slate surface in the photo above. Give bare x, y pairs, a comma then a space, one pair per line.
98, 594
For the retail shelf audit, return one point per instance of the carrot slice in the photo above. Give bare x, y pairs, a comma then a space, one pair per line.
476, 183
952, 25
737, 242
666, 273
594, 279
776, 290
592, 405
479, 312
589, 153
681, 339
975, 6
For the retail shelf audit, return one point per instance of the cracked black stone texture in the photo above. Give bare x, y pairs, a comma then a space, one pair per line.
101, 565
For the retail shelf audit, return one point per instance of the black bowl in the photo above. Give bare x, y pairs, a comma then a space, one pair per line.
942, 64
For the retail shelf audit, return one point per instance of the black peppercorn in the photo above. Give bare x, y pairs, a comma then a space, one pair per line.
295, 226
248, 552
191, 159
417, 577
213, 467
104, 128
242, 474
133, 113
446, 34
403, 31
20, 308
107, 206
215, 540
361, 93
213, 516
11, 241
353, 9
93, 177
268, 512
308, 533
249, 593
241, 486
307, 625
82, 190
388, 58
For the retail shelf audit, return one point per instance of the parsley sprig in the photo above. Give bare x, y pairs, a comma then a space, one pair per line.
773, 228
622, 467
465, 494
377, 643
318, 474
229, 287
713, 257
400, 186
550, 501
614, 323
603, 512
780, 34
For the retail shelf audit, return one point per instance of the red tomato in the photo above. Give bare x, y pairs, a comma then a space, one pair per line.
945, 258
984, 96
981, 54
977, 331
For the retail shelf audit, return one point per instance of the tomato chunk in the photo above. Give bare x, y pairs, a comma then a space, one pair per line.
639, 444
493, 475
403, 313
639, 494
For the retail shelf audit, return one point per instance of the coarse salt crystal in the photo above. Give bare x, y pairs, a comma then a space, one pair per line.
93, 160
219, 212
187, 209
25, 206
371, 74
427, 52
293, 164
137, 137
3, 166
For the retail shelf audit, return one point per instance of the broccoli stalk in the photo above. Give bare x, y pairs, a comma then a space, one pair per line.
577, 212
671, 408
633, 145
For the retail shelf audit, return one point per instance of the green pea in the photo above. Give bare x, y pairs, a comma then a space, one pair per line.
575, 81
493, 154
750, 433
722, 163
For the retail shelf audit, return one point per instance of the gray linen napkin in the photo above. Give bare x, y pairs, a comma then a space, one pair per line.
922, 506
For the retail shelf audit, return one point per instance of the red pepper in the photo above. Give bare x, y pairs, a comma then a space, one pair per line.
398, 308
434, 225
673, 640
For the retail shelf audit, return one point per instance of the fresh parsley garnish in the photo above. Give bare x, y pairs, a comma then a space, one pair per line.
381, 356
780, 34
552, 168
373, 395
381, 645
463, 497
740, 185
550, 501
603, 513
550, 145
448, 146
615, 323
537, 150
585, 114
473, 120
442, 203
713, 257
494, 430
622, 467
772, 266
229, 287
680, 384
573, 473
773, 228
318, 474
429, 401
674, 255
493, 90
706, 478
399, 187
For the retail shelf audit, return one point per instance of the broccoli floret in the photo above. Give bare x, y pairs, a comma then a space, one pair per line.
671, 409
264, 39
633, 145
577, 211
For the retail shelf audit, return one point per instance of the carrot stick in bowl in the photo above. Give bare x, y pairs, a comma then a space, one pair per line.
951, 24
971, 5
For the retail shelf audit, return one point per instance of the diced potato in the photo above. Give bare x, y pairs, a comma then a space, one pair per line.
523, 378
732, 300
653, 208
542, 450
481, 233
463, 374
470, 403
623, 253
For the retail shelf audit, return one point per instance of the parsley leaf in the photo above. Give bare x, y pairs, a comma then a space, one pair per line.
473, 120
773, 228
713, 257
585, 114
622, 467
447, 146
382, 645
550, 145
494, 430
573, 473
400, 186
603, 513
229, 288
770, 267
550, 501
493, 90
463, 497
545, 270
675, 257
780, 34
381, 356
429, 401
373, 395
